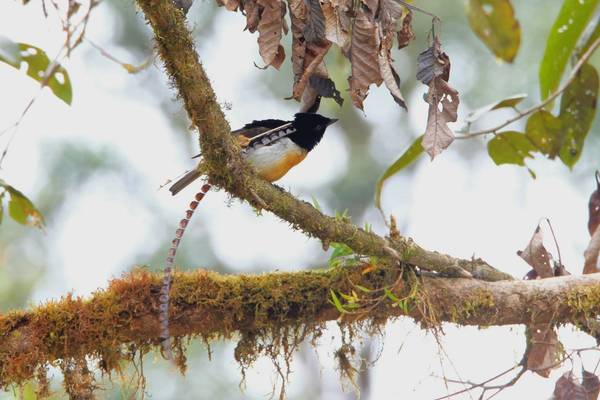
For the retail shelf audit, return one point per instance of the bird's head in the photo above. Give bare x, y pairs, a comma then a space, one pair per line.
309, 128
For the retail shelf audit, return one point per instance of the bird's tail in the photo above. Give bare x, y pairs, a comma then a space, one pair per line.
184, 181
163, 317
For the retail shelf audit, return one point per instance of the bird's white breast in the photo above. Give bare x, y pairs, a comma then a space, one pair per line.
273, 161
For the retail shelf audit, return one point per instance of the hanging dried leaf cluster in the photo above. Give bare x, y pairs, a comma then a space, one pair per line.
433, 69
365, 33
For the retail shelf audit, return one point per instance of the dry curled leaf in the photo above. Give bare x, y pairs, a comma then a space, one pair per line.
591, 384
433, 63
536, 255
389, 12
568, 388
438, 135
297, 15
314, 29
433, 69
251, 10
270, 30
364, 51
313, 65
325, 87
337, 24
544, 350
391, 78
405, 34
370, 5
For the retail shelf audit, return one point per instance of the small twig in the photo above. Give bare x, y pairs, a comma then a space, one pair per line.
259, 200
555, 241
132, 69
415, 8
541, 105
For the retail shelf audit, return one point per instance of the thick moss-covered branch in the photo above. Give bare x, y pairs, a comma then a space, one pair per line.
212, 305
227, 170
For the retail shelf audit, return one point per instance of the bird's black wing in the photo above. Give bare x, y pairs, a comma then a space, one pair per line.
257, 127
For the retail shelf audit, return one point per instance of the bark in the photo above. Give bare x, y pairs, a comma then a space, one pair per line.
211, 305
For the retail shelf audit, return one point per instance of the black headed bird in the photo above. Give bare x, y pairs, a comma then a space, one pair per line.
272, 147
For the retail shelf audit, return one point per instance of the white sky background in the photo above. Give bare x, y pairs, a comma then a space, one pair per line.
450, 205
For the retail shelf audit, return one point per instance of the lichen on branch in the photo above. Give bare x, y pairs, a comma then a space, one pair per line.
112, 323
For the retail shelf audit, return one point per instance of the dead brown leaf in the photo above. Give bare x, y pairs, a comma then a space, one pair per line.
437, 134
536, 255
433, 69
314, 28
544, 350
568, 388
316, 66
251, 10
297, 15
405, 34
591, 384
270, 30
594, 207
325, 87
433, 63
389, 13
390, 77
337, 25
371, 5
364, 51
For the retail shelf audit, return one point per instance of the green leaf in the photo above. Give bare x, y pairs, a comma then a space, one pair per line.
38, 65
494, 22
405, 305
545, 132
21, 209
407, 158
564, 35
363, 289
336, 302
511, 101
339, 250
316, 204
510, 148
391, 296
577, 111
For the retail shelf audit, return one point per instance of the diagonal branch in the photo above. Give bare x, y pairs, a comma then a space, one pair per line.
226, 168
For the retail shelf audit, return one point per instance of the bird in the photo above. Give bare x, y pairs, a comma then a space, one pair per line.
272, 147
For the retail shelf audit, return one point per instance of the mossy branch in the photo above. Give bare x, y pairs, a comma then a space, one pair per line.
124, 316
226, 168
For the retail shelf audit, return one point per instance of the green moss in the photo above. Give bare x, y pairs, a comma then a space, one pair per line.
584, 301
480, 301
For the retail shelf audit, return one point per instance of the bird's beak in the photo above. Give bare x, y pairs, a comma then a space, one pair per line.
332, 121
